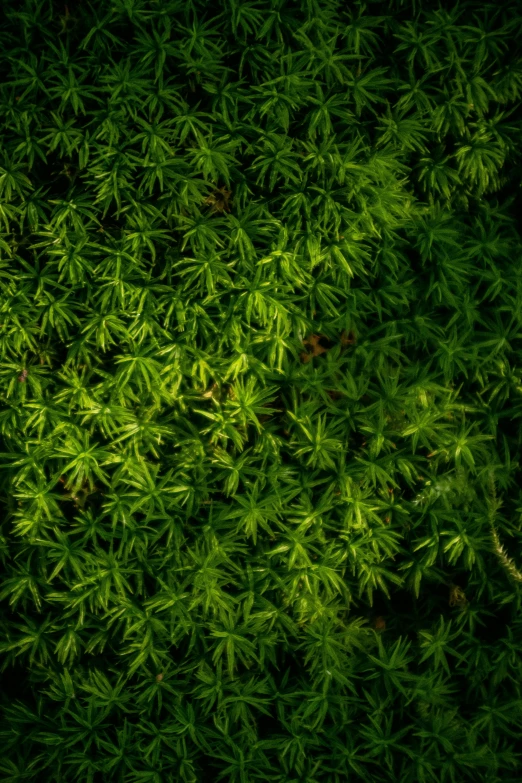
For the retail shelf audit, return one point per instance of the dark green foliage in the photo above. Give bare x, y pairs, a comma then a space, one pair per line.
261, 390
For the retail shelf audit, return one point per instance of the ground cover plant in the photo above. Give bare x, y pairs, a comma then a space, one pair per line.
260, 391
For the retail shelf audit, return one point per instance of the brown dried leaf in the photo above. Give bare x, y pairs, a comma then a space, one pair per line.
348, 338
317, 349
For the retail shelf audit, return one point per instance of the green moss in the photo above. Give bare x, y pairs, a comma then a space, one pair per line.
260, 385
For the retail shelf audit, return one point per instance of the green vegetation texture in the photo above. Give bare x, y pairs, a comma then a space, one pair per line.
260, 391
